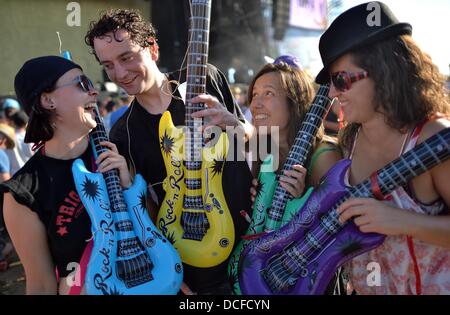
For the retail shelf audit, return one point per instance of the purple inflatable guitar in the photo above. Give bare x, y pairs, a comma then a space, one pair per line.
302, 257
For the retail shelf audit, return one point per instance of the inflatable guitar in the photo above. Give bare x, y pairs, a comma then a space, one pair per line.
194, 214
302, 257
273, 205
129, 255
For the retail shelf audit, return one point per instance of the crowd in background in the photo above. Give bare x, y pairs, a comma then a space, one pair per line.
13, 155
112, 104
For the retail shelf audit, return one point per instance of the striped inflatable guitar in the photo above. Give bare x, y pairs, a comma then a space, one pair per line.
274, 206
302, 257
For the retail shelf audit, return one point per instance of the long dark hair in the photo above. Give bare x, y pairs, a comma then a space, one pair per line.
408, 86
300, 92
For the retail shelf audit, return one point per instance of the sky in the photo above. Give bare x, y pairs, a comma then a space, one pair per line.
430, 20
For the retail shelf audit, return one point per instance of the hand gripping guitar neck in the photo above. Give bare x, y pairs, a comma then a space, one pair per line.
129, 255
302, 257
194, 214
273, 205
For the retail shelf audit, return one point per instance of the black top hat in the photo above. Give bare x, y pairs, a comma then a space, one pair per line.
356, 27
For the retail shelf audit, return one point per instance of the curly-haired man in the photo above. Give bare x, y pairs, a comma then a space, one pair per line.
126, 46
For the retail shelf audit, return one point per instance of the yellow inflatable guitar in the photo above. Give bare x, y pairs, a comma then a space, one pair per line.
194, 215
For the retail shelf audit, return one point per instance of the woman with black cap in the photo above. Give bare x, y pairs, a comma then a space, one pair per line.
391, 94
43, 213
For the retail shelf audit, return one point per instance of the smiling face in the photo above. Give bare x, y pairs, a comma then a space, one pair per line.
126, 63
269, 105
73, 106
357, 102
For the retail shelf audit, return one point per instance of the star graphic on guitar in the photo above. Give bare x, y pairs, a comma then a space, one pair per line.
62, 230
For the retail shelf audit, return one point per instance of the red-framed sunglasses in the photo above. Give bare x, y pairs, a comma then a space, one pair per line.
82, 81
343, 80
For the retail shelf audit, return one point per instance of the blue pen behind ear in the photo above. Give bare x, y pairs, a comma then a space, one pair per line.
65, 54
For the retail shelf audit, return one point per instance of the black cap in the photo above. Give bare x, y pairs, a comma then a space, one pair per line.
37, 75
357, 27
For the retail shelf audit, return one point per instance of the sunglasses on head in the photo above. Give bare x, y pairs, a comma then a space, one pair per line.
290, 60
343, 80
83, 82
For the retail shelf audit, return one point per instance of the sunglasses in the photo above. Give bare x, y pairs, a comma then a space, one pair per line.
343, 80
288, 59
83, 82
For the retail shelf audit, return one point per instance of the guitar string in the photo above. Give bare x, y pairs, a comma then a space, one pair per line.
334, 217
316, 112
277, 209
193, 220
333, 213
115, 194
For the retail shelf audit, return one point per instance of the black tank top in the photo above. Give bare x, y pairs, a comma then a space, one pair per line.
46, 186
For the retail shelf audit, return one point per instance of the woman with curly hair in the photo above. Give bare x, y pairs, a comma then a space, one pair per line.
393, 98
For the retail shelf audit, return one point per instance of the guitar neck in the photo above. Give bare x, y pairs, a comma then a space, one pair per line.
420, 159
308, 130
399, 172
196, 76
299, 152
112, 179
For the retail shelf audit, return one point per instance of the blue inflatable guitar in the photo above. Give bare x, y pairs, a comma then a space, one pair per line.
129, 255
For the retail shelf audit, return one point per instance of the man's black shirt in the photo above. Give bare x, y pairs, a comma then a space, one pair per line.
136, 136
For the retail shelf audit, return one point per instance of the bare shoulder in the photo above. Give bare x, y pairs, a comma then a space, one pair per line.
29, 237
20, 219
14, 210
434, 183
433, 127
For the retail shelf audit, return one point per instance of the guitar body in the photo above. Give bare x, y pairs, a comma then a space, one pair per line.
156, 266
266, 272
215, 246
274, 206
267, 184
302, 256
